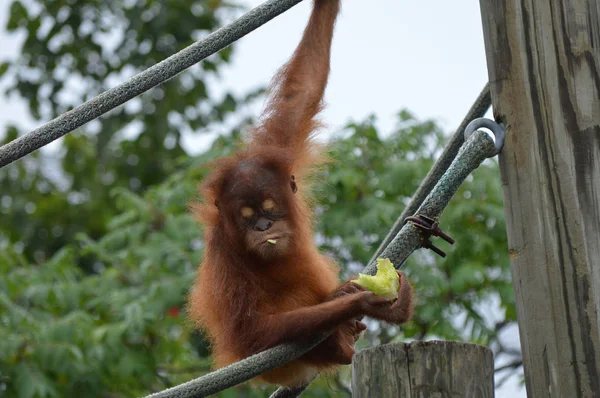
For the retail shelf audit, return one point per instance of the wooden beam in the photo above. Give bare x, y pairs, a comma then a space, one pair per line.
424, 369
544, 67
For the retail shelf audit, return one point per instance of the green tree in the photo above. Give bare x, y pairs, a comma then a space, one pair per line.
72, 51
120, 330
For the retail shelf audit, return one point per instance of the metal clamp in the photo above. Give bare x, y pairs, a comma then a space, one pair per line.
429, 227
497, 130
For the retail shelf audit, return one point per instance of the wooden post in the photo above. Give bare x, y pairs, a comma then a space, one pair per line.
544, 68
424, 369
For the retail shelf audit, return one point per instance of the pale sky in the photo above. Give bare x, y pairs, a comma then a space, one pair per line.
387, 55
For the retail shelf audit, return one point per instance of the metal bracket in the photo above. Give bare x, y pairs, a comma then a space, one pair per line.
497, 129
429, 227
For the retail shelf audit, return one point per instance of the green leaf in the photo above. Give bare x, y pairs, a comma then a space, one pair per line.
18, 14
3, 68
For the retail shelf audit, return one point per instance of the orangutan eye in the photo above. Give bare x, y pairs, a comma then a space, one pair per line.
268, 205
247, 212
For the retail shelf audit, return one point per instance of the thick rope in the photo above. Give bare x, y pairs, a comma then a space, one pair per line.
472, 153
143, 81
478, 109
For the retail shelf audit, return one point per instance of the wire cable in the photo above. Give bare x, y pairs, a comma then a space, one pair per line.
478, 109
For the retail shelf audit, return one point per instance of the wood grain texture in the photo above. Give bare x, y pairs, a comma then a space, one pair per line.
544, 68
432, 369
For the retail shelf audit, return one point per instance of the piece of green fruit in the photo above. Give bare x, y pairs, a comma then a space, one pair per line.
385, 283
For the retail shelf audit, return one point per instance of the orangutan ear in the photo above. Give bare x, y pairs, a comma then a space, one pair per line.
293, 184
217, 203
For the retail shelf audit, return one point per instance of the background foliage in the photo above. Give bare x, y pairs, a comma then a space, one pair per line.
98, 249
76, 49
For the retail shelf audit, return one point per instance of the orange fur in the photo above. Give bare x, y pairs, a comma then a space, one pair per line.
248, 300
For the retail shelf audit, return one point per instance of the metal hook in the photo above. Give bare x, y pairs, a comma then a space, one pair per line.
497, 130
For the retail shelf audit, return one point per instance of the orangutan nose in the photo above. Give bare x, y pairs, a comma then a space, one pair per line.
263, 224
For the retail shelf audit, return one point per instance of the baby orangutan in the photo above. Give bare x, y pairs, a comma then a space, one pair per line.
262, 281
